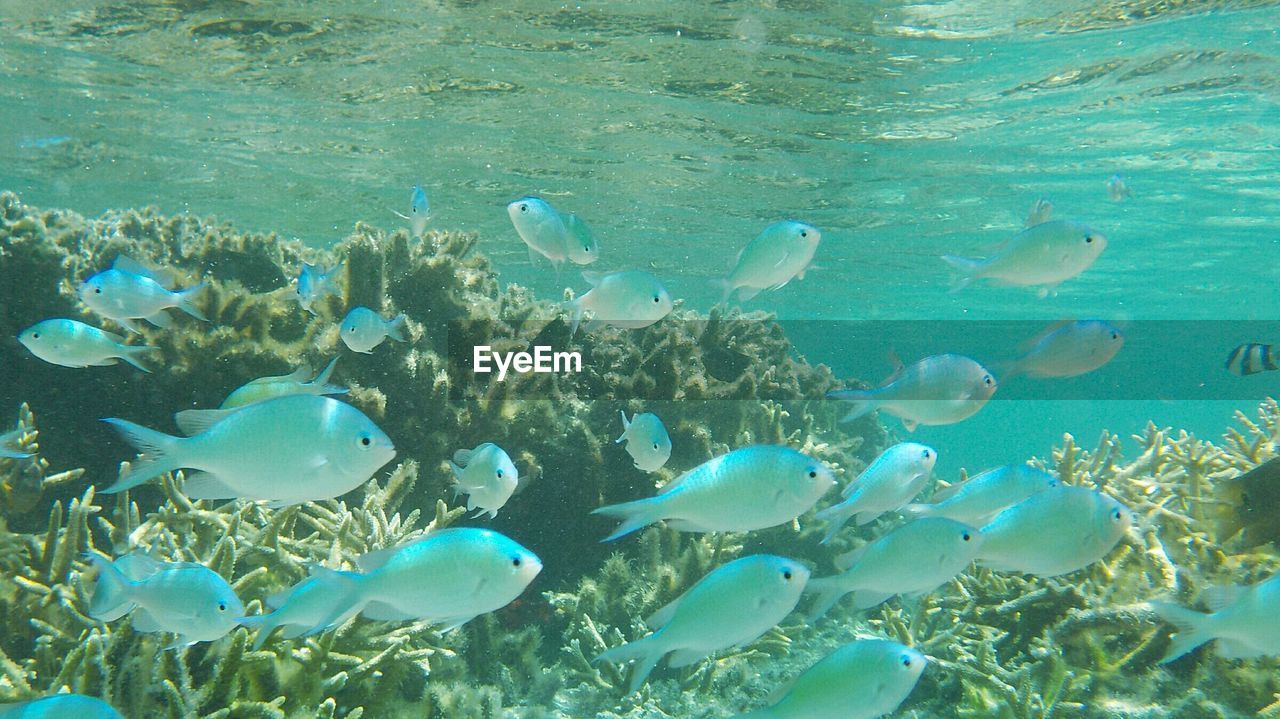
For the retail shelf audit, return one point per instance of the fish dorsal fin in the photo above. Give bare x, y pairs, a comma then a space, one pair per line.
898, 367
1028, 344
195, 421
1219, 598
946, 492
626, 426
371, 561
138, 566
301, 375
277, 600
165, 278
463, 457
844, 561
1041, 212
711, 466
592, 277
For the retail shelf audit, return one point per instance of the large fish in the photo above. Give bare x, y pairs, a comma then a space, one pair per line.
782, 252
1066, 349
130, 291
74, 344
182, 598
60, 706
627, 300
300, 381
980, 498
943, 389
1054, 532
1043, 255
1242, 621
892, 480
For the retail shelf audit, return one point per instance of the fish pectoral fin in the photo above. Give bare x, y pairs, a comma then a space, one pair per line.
144, 622
452, 623
203, 485
160, 319
381, 611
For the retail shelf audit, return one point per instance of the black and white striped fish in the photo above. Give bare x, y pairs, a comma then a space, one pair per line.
1252, 358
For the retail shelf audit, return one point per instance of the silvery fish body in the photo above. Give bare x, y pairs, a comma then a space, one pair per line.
627, 300
363, 329
309, 607
749, 488
74, 344
915, 558
60, 706
866, 679
980, 498
943, 389
1242, 622
11, 445
487, 475
419, 211
130, 291
315, 282
888, 483
542, 228
296, 382
299, 448
1117, 189
779, 254
647, 440
1043, 255
731, 606
189, 600
1068, 349
580, 243
1054, 532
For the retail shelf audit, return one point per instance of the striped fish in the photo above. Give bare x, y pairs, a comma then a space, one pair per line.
1252, 358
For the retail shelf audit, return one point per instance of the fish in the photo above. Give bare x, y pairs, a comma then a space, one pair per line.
1117, 189
749, 488
782, 252
549, 233
315, 282
732, 606
977, 500
913, 559
60, 706
626, 300
1054, 532
131, 291
1043, 255
182, 598
889, 482
487, 475
581, 245
75, 344
287, 450
1066, 349
865, 679
11, 445
647, 440
1041, 211
937, 390
1252, 358
295, 382
1241, 620
1250, 506
419, 211
306, 608
447, 577
363, 329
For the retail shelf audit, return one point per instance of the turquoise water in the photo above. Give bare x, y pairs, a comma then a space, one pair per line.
904, 131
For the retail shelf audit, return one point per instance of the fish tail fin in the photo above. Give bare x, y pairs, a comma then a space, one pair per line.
835, 518
967, 269
187, 301
160, 454
634, 515
828, 592
575, 309
110, 599
918, 511
263, 624
1193, 628
396, 327
645, 652
131, 354
860, 401
626, 425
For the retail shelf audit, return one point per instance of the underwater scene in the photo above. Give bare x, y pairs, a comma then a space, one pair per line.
750, 359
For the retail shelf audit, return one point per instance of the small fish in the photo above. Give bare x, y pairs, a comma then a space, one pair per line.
1041, 211
131, 291
74, 344
732, 606
1043, 255
363, 329
865, 679
315, 282
782, 252
182, 598
915, 558
627, 300
1117, 189
1252, 358
487, 475
419, 211
309, 607
550, 234
1067, 349
447, 577
647, 441
287, 450
296, 382
581, 245
1054, 532
977, 500
943, 389
11, 445
1242, 620
892, 480
60, 706
749, 488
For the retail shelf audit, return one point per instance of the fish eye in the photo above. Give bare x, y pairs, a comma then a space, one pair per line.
906, 661
1115, 514
499, 474
35, 335
656, 300
515, 561
524, 208
966, 536
813, 473
986, 379
926, 453
365, 440
222, 606
786, 574
655, 445
97, 290
804, 233
1115, 335
1088, 239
